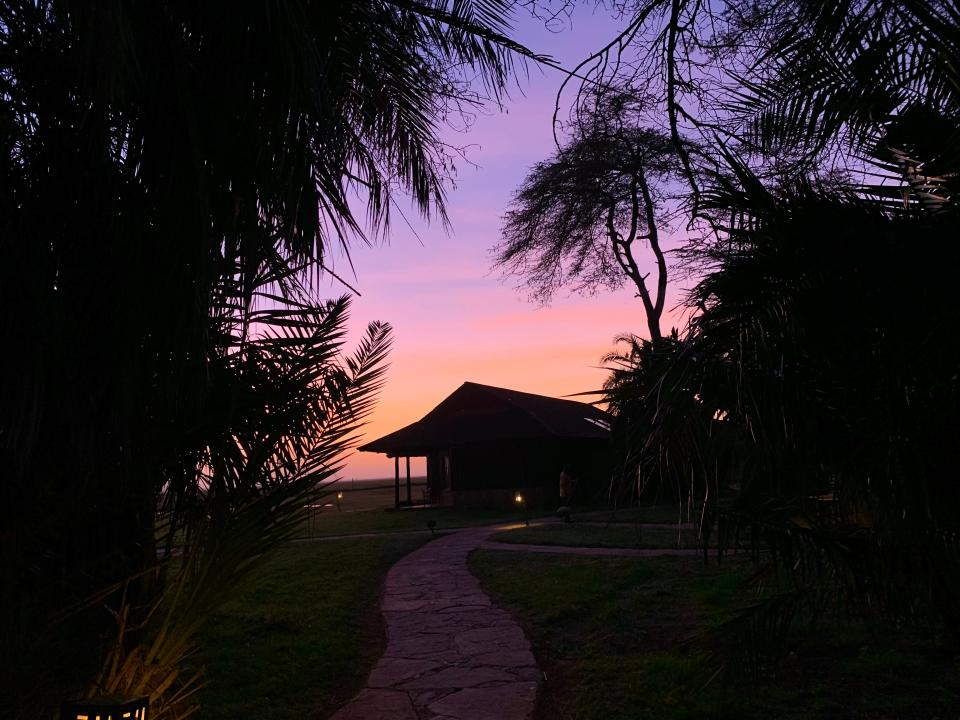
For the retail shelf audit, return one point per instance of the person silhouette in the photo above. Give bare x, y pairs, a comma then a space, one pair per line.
567, 483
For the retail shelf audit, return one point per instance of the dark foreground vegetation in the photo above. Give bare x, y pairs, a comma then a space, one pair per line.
173, 179
174, 176
808, 154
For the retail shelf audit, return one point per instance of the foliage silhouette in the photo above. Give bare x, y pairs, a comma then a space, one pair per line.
809, 402
578, 217
174, 179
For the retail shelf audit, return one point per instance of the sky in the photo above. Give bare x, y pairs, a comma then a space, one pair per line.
454, 318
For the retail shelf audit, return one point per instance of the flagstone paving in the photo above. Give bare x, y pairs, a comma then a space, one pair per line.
451, 653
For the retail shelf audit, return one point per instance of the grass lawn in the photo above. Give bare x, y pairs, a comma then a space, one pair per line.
368, 508
609, 634
372, 495
331, 522
671, 514
300, 638
578, 534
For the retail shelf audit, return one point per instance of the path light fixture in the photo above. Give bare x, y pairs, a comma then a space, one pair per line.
106, 708
522, 504
339, 498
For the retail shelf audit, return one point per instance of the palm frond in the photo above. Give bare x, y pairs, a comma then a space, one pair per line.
179, 174
802, 405
291, 411
853, 73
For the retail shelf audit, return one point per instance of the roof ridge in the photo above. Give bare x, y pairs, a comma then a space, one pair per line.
527, 410
524, 392
527, 415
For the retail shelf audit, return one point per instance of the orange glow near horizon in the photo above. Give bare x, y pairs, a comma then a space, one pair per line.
422, 375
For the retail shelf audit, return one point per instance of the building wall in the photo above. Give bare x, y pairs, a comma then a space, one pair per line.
439, 472
490, 475
535, 498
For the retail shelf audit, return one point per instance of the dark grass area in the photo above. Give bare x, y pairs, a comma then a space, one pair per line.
373, 494
578, 534
300, 638
368, 508
671, 514
331, 522
618, 638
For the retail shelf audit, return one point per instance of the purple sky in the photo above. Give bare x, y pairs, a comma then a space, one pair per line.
454, 319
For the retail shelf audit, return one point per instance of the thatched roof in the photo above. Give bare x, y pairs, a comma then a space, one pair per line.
477, 413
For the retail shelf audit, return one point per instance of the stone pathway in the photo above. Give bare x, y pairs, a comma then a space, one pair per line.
451, 654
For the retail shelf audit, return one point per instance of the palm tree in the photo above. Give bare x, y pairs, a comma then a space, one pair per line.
174, 177
839, 402
283, 407
838, 89
876, 80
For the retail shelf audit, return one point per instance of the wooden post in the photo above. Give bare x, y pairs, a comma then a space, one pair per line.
409, 501
396, 482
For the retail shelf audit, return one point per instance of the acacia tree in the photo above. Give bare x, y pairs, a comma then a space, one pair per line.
762, 400
790, 92
856, 99
578, 218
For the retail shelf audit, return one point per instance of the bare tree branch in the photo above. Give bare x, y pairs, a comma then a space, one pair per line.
577, 218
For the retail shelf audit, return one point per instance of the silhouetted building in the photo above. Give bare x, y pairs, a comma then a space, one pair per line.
484, 444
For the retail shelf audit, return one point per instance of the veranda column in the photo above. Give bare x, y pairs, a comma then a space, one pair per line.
409, 501
396, 482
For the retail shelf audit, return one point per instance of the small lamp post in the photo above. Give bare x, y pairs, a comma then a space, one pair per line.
339, 498
522, 504
106, 708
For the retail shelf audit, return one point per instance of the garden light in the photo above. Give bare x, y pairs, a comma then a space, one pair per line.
520, 501
106, 708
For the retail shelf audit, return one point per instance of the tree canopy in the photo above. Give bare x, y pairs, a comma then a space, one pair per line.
578, 217
173, 177
808, 402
